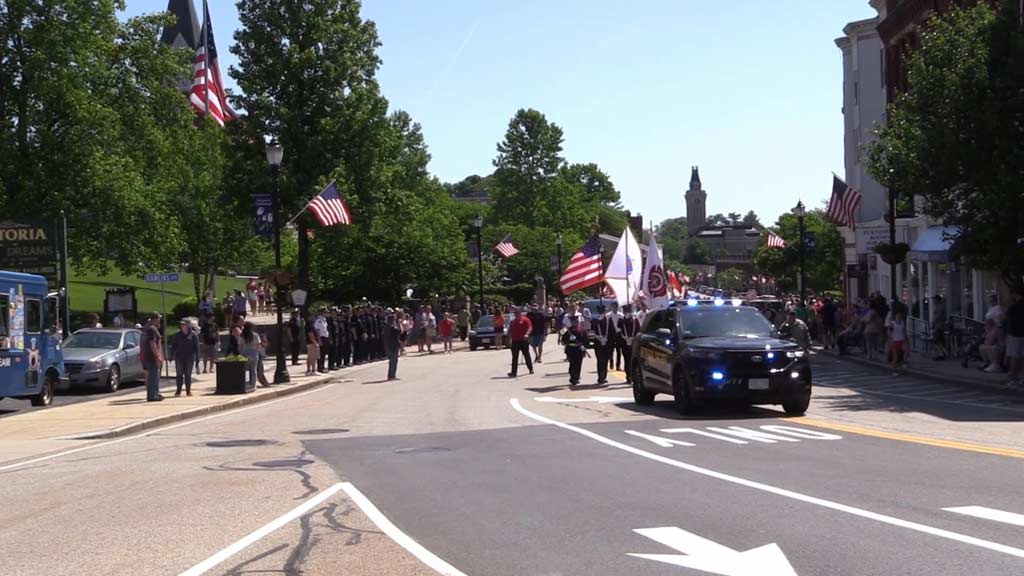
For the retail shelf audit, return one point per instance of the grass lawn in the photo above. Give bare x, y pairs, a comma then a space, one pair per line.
87, 290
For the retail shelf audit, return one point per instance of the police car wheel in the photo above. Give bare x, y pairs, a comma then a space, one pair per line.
681, 392
641, 395
796, 404
45, 396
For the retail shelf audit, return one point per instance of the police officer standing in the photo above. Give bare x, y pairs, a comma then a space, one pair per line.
332, 347
604, 336
359, 326
575, 341
629, 327
345, 335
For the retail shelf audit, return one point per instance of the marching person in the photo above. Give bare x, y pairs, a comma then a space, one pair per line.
616, 343
184, 350
575, 342
538, 332
629, 327
605, 335
518, 334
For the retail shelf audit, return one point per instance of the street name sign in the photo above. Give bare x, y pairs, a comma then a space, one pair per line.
162, 277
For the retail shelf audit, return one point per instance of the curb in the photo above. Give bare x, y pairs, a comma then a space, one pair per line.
947, 378
245, 400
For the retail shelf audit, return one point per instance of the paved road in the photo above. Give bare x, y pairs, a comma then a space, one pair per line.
494, 476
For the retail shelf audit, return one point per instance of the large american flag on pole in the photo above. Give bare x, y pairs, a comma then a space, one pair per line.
329, 208
843, 204
207, 96
585, 269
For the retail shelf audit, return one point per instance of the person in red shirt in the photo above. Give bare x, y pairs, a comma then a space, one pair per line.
499, 328
518, 336
447, 329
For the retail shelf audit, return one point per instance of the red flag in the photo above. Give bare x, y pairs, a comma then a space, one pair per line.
673, 279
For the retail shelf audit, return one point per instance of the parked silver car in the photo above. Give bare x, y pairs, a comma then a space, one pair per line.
104, 357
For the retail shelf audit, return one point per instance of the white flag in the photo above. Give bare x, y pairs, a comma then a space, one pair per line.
625, 269
655, 284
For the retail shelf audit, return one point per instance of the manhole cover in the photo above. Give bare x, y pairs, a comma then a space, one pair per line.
292, 463
423, 450
321, 431
239, 443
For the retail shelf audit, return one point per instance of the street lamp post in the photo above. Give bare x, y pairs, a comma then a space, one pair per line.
558, 251
275, 153
800, 212
479, 223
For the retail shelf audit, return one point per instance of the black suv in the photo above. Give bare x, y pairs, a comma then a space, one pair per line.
698, 352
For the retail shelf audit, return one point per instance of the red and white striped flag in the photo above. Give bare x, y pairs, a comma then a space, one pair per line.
775, 241
843, 204
506, 248
329, 208
207, 96
585, 269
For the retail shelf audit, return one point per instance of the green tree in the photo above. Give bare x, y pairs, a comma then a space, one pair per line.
307, 72
696, 252
528, 162
730, 279
90, 126
823, 269
717, 220
954, 138
751, 219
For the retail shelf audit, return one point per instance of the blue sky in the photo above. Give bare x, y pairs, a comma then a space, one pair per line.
749, 90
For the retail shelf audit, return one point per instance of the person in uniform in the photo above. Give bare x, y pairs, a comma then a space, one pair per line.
359, 336
629, 327
295, 333
616, 343
345, 336
604, 337
575, 342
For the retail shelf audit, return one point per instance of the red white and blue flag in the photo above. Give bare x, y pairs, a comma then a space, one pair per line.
775, 241
329, 208
208, 97
585, 269
843, 204
506, 248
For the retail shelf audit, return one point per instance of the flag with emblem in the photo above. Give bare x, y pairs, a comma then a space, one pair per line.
585, 268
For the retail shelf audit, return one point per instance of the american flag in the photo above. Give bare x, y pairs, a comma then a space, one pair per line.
775, 241
843, 204
329, 208
585, 269
208, 97
506, 248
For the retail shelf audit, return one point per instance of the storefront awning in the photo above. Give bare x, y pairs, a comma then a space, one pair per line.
933, 244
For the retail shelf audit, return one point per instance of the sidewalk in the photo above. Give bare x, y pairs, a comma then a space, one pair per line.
949, 371
65, 427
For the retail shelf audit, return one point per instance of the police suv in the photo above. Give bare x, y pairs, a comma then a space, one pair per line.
698, 351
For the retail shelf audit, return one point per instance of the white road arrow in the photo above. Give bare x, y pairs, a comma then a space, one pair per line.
595, 399
711, 557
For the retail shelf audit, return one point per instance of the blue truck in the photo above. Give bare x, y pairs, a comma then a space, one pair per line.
31, 362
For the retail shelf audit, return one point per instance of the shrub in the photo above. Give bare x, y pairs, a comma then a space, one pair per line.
185, 308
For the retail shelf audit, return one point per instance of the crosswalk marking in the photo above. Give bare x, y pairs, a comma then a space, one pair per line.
989, 514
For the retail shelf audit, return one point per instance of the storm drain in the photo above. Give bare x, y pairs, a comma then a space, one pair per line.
422, 450
239, 443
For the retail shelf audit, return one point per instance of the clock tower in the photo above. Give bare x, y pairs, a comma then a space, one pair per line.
696, 204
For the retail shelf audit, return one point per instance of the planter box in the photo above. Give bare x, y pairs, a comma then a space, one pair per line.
231, 378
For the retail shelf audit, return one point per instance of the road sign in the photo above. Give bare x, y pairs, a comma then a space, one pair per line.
711, 557
161, 278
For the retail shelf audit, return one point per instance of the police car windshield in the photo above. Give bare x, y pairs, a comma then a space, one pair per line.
97, 340
705, 321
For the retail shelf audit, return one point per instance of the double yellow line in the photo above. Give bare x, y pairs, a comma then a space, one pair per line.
939, 443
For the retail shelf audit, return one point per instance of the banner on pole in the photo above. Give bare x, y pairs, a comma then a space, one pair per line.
263, 224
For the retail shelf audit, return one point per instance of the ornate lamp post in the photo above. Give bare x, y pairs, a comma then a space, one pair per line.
800, 213
479, 223
275, 153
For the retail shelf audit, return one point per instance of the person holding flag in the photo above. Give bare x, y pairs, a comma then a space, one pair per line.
629, 327
655, 286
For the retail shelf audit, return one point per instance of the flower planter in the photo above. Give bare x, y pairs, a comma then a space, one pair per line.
892, 254
231, 377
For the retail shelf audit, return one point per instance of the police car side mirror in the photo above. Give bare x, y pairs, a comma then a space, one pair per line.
663, 332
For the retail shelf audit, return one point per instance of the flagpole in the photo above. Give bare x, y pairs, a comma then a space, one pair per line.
206, 60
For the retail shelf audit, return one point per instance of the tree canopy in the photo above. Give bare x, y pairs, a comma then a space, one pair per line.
823, 268
954, 138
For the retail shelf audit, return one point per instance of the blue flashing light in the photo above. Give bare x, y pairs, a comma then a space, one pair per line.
771, 355
719, 301
717, 376
691, 302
